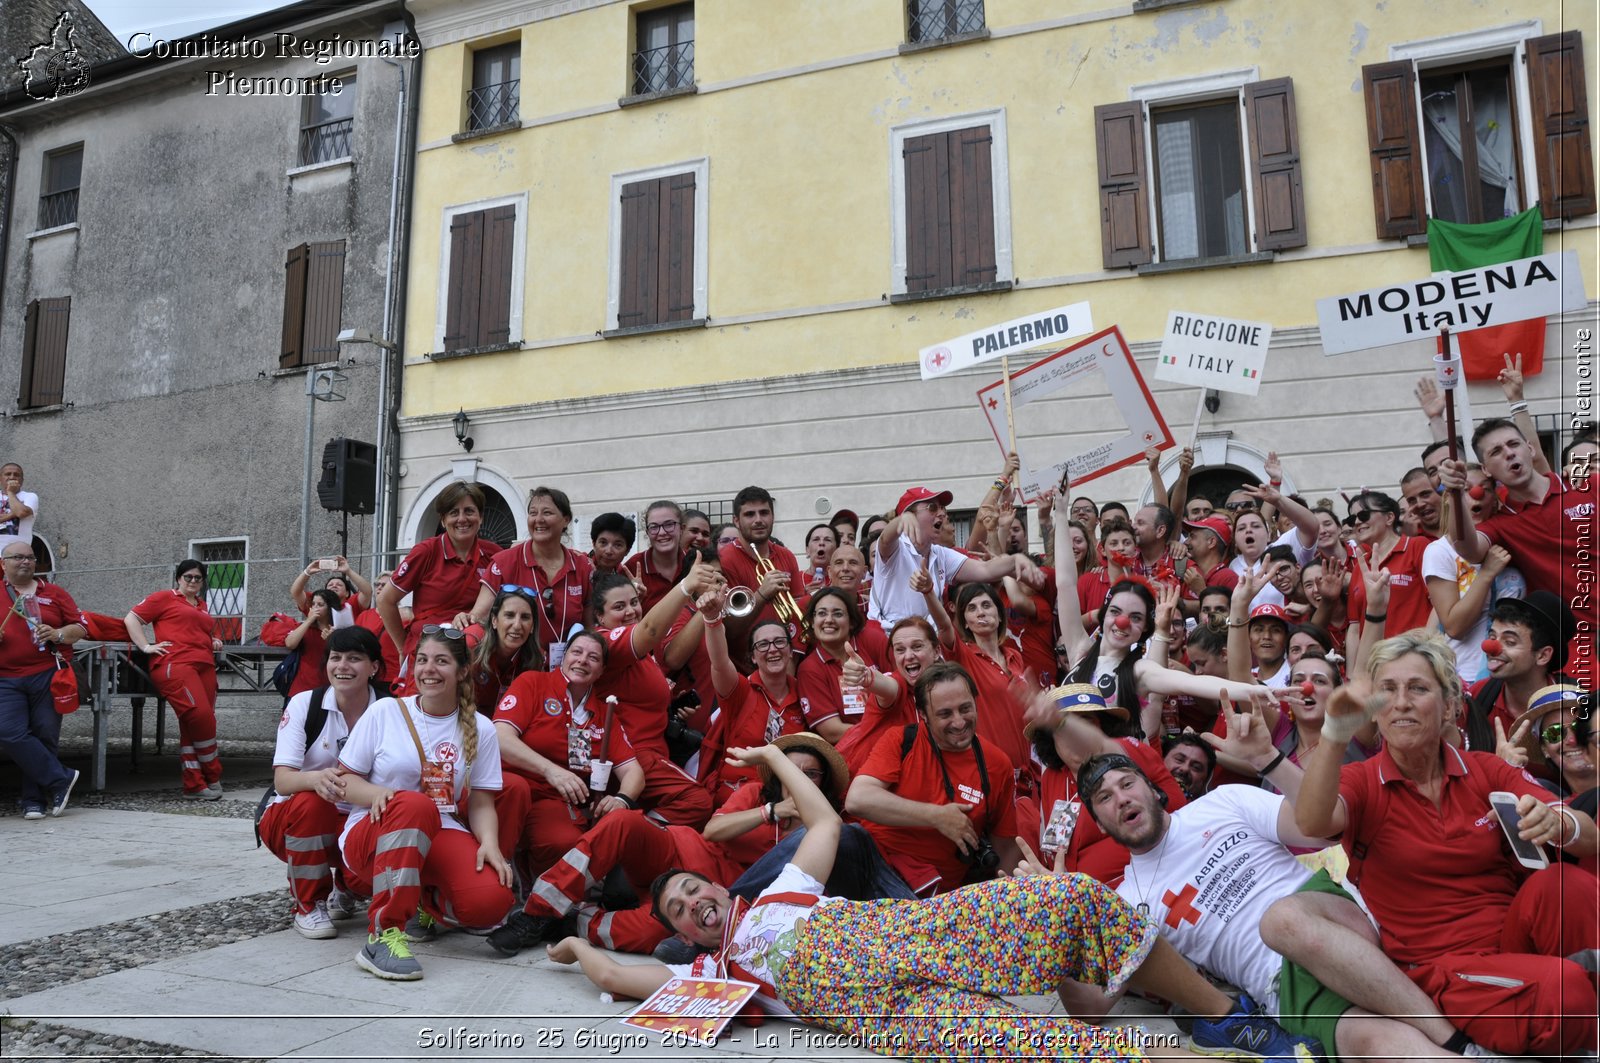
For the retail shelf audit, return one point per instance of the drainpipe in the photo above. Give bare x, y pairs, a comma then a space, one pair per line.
15, 154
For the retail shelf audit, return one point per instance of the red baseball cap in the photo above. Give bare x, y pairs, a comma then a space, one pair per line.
914, 495
1213, 523
1271, 612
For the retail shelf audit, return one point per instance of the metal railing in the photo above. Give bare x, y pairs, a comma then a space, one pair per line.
493, 105
663, 69
325, 142
934, 20
58, 208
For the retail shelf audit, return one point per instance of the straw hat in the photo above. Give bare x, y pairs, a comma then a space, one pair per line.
1553, 698
1079, 697
838, 771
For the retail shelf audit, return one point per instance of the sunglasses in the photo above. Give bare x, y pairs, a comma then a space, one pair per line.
1240, 507
1553, 734
190, 577
454, 634
1361, 516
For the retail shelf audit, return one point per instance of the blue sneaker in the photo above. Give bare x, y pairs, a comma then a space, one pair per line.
1247, 1033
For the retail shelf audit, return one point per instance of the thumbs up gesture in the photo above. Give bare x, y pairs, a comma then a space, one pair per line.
855, 673
922, 580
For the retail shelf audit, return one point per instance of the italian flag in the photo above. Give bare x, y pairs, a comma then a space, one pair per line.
1168, 359
1250, 373
1457, 247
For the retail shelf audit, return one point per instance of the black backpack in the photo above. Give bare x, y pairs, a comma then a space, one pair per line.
316, 720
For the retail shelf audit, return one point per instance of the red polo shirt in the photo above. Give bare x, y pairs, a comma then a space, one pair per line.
740, 569
564, 598
539, 709
918, 778
1436, 879
441, 584
20, 656
745, 849
1552, 543
858, 743
1037, 635
820, 680
188, 627
656, 585
642, 692
695, 672
750, 716
999, 717
1409, 606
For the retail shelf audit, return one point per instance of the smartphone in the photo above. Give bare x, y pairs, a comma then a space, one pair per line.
327, 564
1527, 854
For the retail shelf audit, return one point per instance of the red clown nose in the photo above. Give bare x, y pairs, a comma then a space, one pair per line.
1122, 623
1492, 647
1308, 688
1476, 492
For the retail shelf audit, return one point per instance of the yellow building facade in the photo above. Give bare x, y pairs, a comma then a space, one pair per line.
651, 270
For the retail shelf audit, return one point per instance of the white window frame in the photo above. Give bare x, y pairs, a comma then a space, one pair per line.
244, 588
1205, 88
701, 168
999, 170
1453, 49
519, 259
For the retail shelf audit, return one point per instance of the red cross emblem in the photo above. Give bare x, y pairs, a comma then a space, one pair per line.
1179, 908
1449, 370
1149, 437
993, 403
938, 357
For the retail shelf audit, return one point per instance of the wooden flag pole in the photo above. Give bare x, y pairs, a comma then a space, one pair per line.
1199, 408
1458, 502
1011, 421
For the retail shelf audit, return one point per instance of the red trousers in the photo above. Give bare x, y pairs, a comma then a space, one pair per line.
643, 849
549, 826
192, 693
303, 832
670, 794
1526, 999
409, 861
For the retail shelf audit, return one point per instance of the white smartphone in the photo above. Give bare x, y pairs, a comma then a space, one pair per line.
327, 564
1527, 854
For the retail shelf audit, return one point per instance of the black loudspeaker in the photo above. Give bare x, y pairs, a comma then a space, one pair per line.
349, 482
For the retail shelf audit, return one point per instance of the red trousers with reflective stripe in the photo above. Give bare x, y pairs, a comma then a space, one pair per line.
550, 826
643, 850
1527, 999
192, 693
303, 832
409, 861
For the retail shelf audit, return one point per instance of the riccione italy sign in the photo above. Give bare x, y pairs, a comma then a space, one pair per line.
1470, 299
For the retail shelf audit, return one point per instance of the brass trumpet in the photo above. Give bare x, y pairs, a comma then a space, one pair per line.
741, 602
783, 603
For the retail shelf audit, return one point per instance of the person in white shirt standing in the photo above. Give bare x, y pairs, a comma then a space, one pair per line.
18, 508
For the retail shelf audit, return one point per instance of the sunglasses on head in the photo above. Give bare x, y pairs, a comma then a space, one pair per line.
454, 634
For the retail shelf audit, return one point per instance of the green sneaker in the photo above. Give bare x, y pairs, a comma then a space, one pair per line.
421, 927
388, 956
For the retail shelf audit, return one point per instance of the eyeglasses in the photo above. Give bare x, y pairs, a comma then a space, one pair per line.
454, 634
29, 558
1553, 734
664, 526
728, 540
190, 577
1247, 506
769, 644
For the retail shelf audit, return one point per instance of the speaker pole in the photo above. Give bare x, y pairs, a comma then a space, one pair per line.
305, 495
344, 533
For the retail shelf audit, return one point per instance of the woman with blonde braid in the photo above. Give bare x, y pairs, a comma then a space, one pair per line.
422, 772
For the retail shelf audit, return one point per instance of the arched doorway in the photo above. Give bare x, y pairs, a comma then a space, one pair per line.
1221, 465
502, 522
1216, 482
500, 525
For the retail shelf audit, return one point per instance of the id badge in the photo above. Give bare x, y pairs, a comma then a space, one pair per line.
774, 727
578, 749
1058, 830
558, 650
854, 701
439, 784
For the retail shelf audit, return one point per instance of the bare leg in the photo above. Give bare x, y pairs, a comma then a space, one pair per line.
1166, 974
1330, 937
1087, 1002
1376, 1039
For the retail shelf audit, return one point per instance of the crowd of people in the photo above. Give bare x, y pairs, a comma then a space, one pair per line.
891, 778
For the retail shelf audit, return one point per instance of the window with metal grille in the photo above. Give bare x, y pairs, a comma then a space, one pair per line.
44, 352
663, 59
496, 86
935, 20
326, 123
227, 580
58, 192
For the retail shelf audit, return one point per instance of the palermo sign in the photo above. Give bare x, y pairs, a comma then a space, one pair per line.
1470, 299
1046, 328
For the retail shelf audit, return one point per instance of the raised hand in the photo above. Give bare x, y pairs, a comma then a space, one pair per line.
1185, 459
1429, 397
1248, 736
1166, 606
854, 671
1273, 467
1510, 378
1376, 583
922, 581
1510, 749
1152, 457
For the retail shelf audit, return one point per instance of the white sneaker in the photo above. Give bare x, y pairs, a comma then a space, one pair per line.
315, 923
341, 904
1477, 1051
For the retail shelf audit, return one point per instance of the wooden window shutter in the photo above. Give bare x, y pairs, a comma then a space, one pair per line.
677, 242
927, 168
636, 299
1396, 149
466, 275
1275, 165
972, 206
44, 357
494, 303
1560, 105
324, 302
1124, 210
294, 307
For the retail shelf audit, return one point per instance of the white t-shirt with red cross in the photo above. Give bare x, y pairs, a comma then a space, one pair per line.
291, 751
381, 748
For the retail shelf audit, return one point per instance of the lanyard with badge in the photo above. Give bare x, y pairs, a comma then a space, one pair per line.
438, 781
547, 595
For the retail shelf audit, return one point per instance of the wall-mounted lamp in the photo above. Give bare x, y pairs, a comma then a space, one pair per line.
462, 423
1213, 400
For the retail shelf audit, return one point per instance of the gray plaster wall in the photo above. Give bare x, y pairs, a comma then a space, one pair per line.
177, 424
